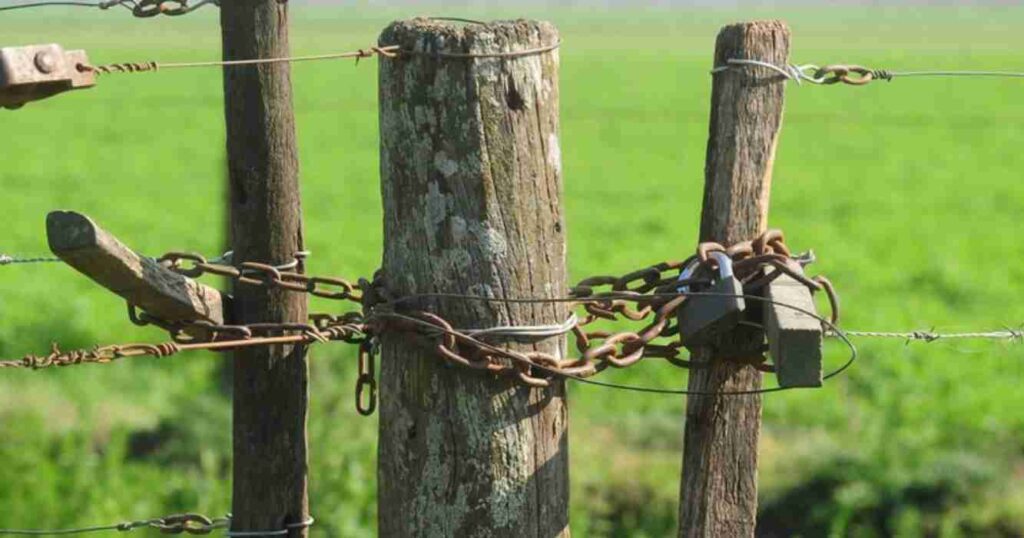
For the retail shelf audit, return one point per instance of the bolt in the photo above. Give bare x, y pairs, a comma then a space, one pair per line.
45, 62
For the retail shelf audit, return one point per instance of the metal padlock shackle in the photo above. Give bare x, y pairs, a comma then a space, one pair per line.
724, 269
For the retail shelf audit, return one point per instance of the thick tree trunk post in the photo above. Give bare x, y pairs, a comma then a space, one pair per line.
270, 384
471, 180
719, 486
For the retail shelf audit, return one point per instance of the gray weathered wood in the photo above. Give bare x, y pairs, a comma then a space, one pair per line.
471, 180
719, 486
141, 281
270, 383
794, 338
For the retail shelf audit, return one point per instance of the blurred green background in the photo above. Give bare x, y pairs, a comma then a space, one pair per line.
909, 192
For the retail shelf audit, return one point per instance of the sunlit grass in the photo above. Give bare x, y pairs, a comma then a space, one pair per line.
908, 191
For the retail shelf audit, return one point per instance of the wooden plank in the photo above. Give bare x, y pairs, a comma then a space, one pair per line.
718, 494
82, 244
471, 178
794, 338
271, 384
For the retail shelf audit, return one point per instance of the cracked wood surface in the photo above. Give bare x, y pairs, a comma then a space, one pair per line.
96, 253
271, 384
471, 182
718, 493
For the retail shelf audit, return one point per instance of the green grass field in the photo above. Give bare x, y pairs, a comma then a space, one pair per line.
908, 191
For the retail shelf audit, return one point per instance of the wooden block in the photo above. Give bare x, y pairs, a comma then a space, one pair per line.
143, 282
794, 338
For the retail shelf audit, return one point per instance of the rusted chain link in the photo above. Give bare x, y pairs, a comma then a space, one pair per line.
650, 294
190, 523
143, 9
260, 274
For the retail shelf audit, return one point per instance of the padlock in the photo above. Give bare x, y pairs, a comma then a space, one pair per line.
36, 72
703, 317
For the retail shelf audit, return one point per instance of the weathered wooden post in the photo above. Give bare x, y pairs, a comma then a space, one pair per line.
471, 181
719, 486
270, 384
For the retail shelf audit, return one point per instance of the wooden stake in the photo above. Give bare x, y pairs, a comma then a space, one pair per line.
471, 179
270, 384
141, 281
719, 486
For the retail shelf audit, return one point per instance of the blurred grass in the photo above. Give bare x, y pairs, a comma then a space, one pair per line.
908, 191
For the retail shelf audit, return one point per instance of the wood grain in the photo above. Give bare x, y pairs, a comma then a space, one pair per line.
270, 384
160, 292
719, 487
471, 180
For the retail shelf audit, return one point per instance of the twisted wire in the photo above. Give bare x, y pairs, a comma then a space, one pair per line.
1012, 335
190, 523
15, 260
832, 74
391, 51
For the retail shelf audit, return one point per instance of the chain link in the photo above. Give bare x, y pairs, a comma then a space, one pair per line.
366, 383
650, 294
195, 265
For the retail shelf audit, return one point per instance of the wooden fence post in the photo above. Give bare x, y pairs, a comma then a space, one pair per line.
719, 486
471, 181
270, 384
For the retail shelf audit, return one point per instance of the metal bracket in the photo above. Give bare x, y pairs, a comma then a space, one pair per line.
35, 72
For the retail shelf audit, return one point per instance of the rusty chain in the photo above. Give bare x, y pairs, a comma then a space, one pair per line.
195, 265
649, 294
145, 9
142, 9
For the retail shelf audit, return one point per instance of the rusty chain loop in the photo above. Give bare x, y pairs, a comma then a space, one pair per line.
366, 383
650, 294
152, 8
834, 74
195, 265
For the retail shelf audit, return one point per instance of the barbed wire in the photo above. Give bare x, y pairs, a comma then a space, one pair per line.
190, 523
6, 259
140, 8
1012, 335
853, 75
323, 328
225, 258
652, 294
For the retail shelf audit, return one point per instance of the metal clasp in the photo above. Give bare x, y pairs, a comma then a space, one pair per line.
35, 72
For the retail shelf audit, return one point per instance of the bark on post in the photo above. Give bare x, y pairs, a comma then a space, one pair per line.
471, 182
270, 384
719, 486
